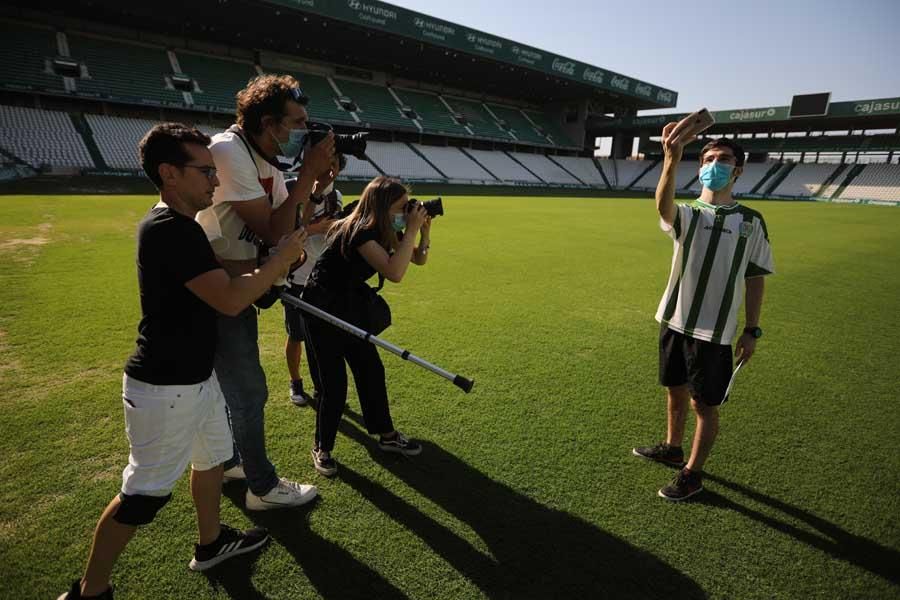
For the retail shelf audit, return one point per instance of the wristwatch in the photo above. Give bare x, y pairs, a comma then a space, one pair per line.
754, 331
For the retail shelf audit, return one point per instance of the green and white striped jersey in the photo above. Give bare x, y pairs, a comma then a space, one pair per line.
716, 248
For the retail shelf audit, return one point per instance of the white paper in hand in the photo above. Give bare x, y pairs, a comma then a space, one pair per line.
731, 382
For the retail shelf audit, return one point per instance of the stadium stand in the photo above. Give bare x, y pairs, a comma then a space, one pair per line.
875, 182
123, 71
502, 166
454, 164
583, 168
544, 168
217, 79
622, 172
399, 160
359, 169
118, 138
42, 138
433, 113
517, 124
549, 126
26, 52
479, 121
684, 175
376, 105
804, 180
323, 105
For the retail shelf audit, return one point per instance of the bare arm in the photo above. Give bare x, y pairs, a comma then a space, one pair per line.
393, 266
673, 148
753, 297
420, 253
231, 295
271, 224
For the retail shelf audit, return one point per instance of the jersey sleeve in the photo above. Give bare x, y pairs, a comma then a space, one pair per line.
677, 230
760, 260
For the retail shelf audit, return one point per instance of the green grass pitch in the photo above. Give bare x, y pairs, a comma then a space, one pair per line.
526, 488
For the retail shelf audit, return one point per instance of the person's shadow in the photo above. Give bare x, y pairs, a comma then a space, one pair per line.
533, 551
334, 572
839, 543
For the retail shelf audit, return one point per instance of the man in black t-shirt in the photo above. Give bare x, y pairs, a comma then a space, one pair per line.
174, 408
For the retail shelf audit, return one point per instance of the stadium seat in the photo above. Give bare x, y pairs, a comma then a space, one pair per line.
583, 168
544, 168
550, 127
622, 172
26, 53
875, 182
804, 180
479, 121
123, 71
376, 105
219, 80
42, 137
399, 160
433, 114
518, 125
502, 166
118, 139
455, 164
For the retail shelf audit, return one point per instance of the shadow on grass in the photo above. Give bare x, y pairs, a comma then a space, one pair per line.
334, 572
534, 551
839, 543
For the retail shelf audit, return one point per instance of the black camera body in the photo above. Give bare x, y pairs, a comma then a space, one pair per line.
353, 144
434, 208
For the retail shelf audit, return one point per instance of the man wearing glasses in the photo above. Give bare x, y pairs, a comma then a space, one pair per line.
252, 207
174, 408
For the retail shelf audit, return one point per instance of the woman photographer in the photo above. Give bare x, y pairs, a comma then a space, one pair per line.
378, 236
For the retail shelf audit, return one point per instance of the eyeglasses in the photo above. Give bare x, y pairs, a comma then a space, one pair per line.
299, 97
210, 172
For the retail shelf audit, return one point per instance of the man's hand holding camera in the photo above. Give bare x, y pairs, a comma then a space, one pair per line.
317, 159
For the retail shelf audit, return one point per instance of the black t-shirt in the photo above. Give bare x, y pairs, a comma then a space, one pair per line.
177, 333
336, 272
336, 280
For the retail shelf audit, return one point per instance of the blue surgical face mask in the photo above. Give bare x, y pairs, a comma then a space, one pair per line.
398, 222
296, 140
715, 175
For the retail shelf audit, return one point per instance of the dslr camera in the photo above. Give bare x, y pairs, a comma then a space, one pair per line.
434, 208
353, 144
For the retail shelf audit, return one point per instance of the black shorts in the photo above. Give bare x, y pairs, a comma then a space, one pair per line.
293, 317
704, 366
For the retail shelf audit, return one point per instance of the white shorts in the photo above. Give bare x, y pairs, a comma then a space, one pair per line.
169, 426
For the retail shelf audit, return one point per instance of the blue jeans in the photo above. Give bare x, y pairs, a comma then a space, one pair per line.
243, 383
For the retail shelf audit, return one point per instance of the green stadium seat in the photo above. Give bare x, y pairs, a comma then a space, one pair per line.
518, 124
550, 127
26, 51
219, 79
123, 71
433, 114
478, 119
376, 105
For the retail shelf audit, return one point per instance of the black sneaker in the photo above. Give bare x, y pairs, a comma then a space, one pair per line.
298, 396
662, 452
323, 462
685, 485
400, 444
230, 542
74, 593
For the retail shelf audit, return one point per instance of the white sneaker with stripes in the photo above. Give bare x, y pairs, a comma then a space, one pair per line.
284, 495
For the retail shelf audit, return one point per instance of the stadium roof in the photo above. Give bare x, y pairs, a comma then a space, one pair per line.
373, 35
879, 113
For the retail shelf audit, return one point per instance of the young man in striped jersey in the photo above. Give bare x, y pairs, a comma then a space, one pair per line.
721, 254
